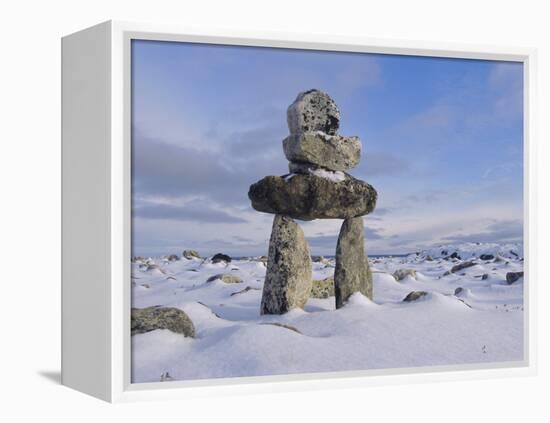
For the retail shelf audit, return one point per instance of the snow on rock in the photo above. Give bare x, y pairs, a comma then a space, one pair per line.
337, 176
481, 323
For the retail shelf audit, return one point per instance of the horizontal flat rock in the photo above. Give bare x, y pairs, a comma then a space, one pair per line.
333, 152
308, 197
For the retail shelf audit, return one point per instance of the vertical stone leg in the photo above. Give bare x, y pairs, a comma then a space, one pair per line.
352, 273
288, 275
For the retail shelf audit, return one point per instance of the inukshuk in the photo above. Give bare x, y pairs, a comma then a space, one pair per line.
317, 187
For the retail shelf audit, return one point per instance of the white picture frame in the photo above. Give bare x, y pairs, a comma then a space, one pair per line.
96, 213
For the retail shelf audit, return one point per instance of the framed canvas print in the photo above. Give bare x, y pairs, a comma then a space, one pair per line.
258, 212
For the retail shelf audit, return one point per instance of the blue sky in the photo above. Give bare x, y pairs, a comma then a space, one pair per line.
442, 144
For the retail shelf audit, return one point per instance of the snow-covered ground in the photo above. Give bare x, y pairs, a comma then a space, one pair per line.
483, 323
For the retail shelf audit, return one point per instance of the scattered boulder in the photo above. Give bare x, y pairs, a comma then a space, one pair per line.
414, 295
485, 276
486, 257
151, 318
322, 288
401, 274
313, 110
226, 278
458, 290
455, 256
218, 258
512, 277
332, 152
317, 259
352, 273
190, 254
288, 276
172, 257
153, 266
463, 266
308, 197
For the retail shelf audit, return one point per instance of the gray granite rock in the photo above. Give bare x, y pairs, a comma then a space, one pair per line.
288, 276
226, 278
333, 152
308, 197
352, 273
151, 318
313, 110
401, 274
322, 288
190, 254
463, 266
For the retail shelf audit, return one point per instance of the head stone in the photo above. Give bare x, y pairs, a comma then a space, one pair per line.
313, 111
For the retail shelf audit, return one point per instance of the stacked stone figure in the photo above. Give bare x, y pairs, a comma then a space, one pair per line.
317, 187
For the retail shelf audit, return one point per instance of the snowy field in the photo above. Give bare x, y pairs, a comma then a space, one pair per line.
482, 323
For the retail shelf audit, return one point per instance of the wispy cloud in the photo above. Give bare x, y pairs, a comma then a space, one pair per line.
194, 211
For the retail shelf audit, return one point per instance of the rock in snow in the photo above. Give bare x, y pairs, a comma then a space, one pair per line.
462, 266
217, 258
190, 254
401, 274
288, 277
226, 278
414, 295
512, 277
322, 288
151, 318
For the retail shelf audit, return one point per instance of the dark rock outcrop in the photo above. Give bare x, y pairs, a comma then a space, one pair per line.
414, 295
486, 257
512, 277
217, 258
